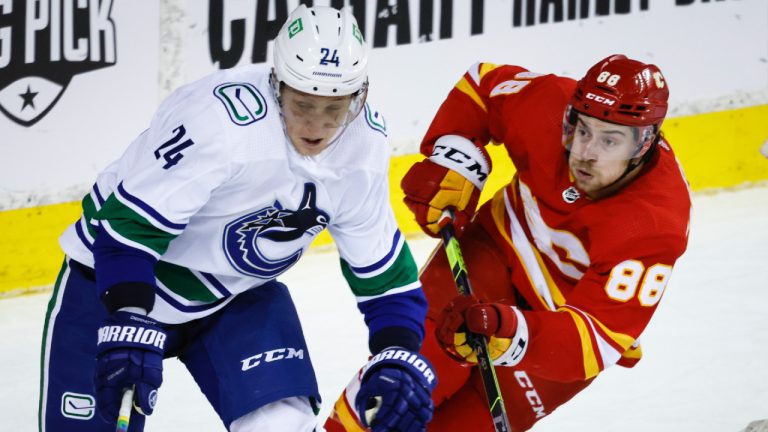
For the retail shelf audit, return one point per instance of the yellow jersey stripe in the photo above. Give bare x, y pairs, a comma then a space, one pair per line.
478, 70
526, 252
633, 353
345, 416
465, 87
485, 68
591, 367
557, 296
498, 210
625, 341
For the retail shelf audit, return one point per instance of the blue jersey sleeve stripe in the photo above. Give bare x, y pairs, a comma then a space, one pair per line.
99, 197
396, 240
392, 291
127, 243
154, 214
223, 291
188, 308
81, 235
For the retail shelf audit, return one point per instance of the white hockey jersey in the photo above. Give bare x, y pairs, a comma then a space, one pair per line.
215, 192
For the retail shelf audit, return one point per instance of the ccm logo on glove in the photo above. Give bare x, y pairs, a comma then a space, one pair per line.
462, 156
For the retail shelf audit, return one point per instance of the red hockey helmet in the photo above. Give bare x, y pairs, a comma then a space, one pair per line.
622, 91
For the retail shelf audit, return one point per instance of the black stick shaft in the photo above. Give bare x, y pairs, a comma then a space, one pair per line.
478, 342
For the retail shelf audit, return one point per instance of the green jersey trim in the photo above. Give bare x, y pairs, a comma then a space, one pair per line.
401, 273
89, 211
131, 228
183, 282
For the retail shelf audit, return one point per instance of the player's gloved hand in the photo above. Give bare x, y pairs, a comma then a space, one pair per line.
452, 177
395, 392
503, 324
129, 353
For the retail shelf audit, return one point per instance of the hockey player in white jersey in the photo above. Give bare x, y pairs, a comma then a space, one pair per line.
181, 241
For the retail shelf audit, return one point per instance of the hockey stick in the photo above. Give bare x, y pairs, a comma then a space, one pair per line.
124, 415
478, 342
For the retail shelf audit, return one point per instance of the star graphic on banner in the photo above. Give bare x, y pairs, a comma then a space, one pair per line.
29, 98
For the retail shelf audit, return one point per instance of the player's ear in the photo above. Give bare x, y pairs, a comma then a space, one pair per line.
648, 139
645, 148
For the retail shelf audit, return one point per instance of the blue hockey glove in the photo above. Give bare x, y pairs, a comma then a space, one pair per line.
395, 392
129, 353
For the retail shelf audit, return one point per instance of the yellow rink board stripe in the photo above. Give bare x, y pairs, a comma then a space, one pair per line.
716, 150
29, 250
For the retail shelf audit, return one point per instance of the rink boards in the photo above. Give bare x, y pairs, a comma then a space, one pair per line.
716, 150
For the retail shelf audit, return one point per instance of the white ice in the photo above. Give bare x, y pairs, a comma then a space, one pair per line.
705, 365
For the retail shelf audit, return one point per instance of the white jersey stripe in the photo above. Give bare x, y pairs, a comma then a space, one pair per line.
98, 199
385, 263
83, 230
411, 286
156, 215
87, 240
144, 210
214, 284
130, 243
607, 353
527, 255
474, 72
182, 304
171, 314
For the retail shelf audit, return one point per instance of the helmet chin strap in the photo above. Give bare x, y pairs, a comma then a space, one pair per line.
631, 165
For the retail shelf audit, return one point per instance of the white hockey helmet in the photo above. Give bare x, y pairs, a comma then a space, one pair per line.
321, 51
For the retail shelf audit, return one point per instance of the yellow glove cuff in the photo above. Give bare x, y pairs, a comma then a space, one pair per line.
496, 347
455, 191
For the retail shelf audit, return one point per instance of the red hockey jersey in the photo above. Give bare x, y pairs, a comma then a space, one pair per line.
592, 271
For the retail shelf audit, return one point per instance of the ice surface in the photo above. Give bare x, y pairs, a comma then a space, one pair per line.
705, 365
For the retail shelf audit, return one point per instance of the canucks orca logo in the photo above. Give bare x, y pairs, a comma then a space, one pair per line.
269, 241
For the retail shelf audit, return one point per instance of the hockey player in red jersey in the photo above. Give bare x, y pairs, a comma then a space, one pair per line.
569, 260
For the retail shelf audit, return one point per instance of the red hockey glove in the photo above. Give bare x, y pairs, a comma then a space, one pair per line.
452, 177
503, 324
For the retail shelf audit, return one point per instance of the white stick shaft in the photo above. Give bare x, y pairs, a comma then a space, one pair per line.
124, 415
